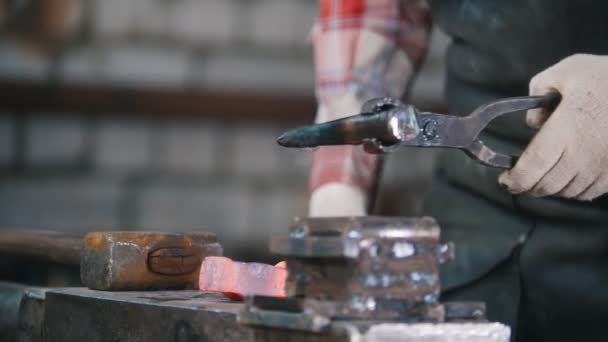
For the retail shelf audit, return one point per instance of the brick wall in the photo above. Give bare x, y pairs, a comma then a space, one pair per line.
73, 171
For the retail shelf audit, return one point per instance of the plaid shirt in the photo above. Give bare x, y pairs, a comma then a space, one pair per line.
363, 49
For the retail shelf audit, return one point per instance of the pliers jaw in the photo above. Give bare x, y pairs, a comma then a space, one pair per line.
400, 120
382, 126
387, 124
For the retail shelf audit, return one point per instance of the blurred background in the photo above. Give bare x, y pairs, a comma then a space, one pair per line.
162, 115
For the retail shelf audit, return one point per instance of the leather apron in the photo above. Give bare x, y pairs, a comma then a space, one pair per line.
540, 264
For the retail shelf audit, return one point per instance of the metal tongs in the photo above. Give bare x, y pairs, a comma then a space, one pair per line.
387, 124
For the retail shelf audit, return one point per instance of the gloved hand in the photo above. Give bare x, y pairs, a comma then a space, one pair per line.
568, 157
340, 176
337, 199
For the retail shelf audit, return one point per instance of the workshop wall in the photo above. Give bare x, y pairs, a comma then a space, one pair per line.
73, 171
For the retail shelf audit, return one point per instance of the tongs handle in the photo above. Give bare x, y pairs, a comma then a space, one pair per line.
486, 155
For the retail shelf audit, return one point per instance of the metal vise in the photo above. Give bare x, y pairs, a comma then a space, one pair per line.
350, 273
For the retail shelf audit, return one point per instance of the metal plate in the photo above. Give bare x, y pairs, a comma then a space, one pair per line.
80, 314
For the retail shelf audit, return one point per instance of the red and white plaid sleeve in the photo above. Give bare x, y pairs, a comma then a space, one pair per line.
363, 49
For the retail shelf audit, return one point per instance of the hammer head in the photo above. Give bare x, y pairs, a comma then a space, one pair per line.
129, 260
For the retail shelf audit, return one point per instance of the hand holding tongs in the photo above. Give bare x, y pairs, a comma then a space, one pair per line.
386, 124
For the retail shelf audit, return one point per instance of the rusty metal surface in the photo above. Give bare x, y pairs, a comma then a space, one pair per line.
21, 310
298, 313
31, 315
385, 125
352, 277
278, 319
10, 299
118, 260
80, 314
144, 260
365, 267
282, 313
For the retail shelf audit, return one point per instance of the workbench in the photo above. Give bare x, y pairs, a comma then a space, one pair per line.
80, 314
362, 279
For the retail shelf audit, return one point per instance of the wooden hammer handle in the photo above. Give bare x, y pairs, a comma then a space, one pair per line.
63, 248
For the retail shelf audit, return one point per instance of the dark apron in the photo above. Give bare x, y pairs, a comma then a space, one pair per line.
541, 265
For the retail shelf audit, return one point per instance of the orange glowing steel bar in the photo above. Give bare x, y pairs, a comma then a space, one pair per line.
239, 279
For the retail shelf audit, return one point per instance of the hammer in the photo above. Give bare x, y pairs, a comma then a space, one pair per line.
120, 260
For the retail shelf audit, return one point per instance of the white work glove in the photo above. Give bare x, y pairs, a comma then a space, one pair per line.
344, 197
568, 157
337, 199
